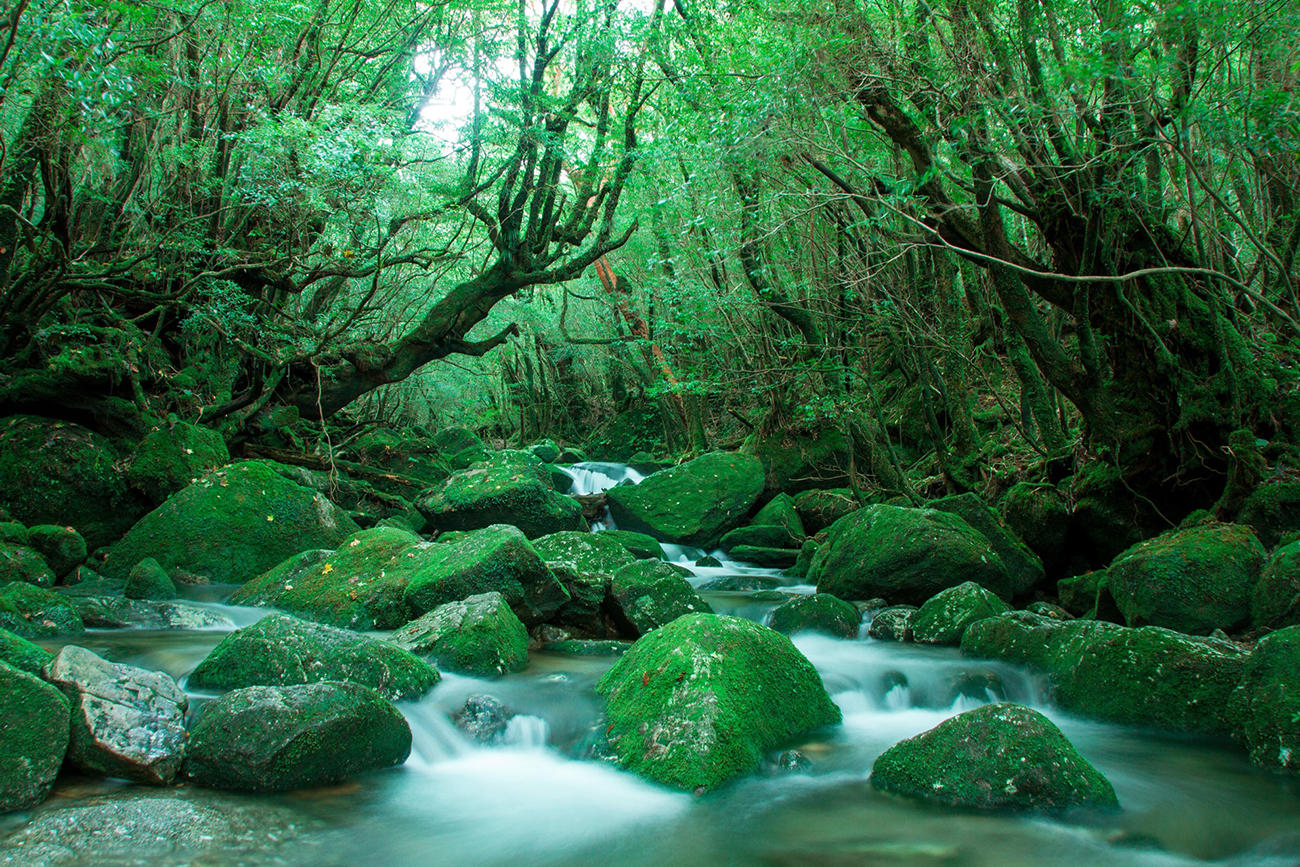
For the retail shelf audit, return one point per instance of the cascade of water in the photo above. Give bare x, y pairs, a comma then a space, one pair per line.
596, 477
526, 730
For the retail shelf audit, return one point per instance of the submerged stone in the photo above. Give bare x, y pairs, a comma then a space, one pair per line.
893, 623
1000, 756
691, 504
701, 700
33, 738
117, 612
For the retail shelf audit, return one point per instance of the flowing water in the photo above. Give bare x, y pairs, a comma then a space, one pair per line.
532, 798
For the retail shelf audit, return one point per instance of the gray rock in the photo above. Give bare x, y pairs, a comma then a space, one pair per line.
116, 612
893, 624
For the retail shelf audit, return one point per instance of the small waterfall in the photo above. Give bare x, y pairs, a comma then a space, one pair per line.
528, 731
434, 738
596, 477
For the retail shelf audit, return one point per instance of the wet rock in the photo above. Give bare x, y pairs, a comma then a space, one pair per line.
63, 548
820, 508
33, 737
739, 583
708, 561
944, 617
639, 545
803, 561
22, 654
171, 457
1000, 756
126, 721
1192, 580
769, 558
1276, 599
20, 563
496, 558
1267, 702
34, 612
479, 636
905, 554
483, 718
117, 612
583, 563
691, 504
149, 580
55, 472
893, 623
1024, 567
647, 594
820, 612
232, 525
282, 651
508, 489
278, 738
701, 700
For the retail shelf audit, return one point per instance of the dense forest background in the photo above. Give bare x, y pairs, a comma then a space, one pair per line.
904, 247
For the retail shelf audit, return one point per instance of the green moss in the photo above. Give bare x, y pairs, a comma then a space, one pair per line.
21, 653
893, 623
1000, 756
148, 580
1276, 600
545, 451
1273, 510
647, 594
760, 536
232, 525
478, 636
904, 555
692, 504
819, 612
1193, 580
780, 511
1088, 595
1267, 702
34, 612
803, 561
62, 547
946, 615
795, 461
14, 533
583, 563
1038, 514
770, 558
819, 508
171, 457
1105, 518
274, 739
280, 651
1023, 565
23, 564
699, 701
505, 490
34, 729
639, 545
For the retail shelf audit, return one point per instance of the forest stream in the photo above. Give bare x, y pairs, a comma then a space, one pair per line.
534, 797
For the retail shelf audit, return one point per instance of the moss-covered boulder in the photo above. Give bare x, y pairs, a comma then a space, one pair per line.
1276, 600
278, 738
945, 615
127, 722
33, 738
497, 558
34, 612
360, 585
821, 507
1194, 580
904, 555
479, 636
1267, 701
149, 580
819, 612
55, 472
647, 594
1088, 595
699, 701
893, 623
63, 548
780, 511
759, 536
583, 563
455, 440
1038, 514
280, 651
173, 456
796, 460
804, 559
14, 533
1024, 567
21, 653
768, 558
691, 504
1146, 676
545, 451
512, 490
19, 563
1273, 510
232, 525
1106, 518
997, 757
639, 545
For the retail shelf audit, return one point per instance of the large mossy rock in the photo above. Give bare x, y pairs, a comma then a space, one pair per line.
497, 558
1273, 510
479, 636
281, 651
278, 738
22, 654
647, 594
1146, 676
20, 563
583, 563
360, 585
759, 536
511, 488
1276, 600
34, 612
33, 738
818, 612
174, 456
232, 525
1194, 580
945, 615
127, 722
904, 555
691, 504
997, 757
63, 548
1039, 515
780, 511
796, 460
149, 580
639, 545
54, 472
701, 700
1267, 702
1024, 567
821, 507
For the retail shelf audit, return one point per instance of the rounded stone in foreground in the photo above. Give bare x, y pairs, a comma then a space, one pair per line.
1000, 756
33, 738
279, 738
